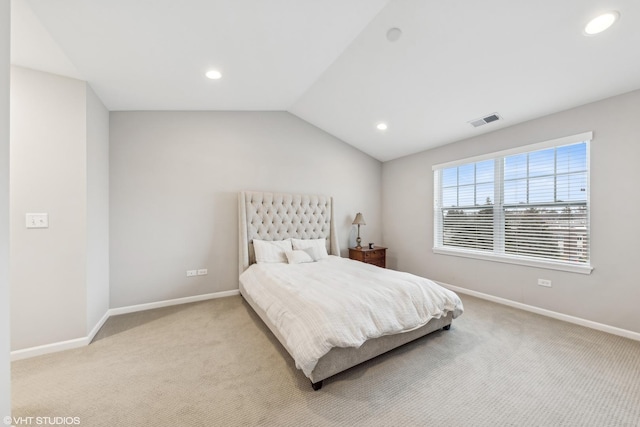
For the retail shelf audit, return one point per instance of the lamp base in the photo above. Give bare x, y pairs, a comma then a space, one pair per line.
358, 241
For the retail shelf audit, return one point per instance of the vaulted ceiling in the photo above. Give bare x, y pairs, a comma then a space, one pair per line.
334, 64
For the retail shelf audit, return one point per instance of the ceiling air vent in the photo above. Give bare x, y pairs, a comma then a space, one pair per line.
483, 121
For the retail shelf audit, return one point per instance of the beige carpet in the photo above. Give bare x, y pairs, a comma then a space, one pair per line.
214, 363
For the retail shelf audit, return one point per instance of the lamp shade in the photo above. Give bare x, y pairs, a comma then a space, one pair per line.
359, 220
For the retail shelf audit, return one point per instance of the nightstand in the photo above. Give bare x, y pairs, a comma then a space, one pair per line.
376, 256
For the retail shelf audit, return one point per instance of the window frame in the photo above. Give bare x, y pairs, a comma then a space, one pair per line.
499, 207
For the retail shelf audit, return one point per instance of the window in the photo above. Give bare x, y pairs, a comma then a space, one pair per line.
527, 206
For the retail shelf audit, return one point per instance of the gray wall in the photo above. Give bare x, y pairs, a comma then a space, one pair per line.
59, 165
48, 174
97, 282
5, 374
611, 293
174, 178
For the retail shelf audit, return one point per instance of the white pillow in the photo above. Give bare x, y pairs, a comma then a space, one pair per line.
271, 251
298, 257
317, 248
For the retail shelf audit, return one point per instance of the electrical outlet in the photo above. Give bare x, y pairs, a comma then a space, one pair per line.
191, 273
37, 220
203, 272
544, 282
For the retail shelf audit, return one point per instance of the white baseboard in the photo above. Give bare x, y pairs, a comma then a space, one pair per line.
40, 350
544, 312
167, 303
97, 327
84, 341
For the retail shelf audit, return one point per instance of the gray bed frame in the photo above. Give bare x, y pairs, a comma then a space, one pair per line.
279, 216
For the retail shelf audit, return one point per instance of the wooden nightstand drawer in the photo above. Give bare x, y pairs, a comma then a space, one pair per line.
376, 256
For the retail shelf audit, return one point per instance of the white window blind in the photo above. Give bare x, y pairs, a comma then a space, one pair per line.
529, 205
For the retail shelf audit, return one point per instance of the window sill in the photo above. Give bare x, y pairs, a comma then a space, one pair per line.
529, 262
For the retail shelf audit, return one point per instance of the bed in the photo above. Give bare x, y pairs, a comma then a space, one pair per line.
300, 301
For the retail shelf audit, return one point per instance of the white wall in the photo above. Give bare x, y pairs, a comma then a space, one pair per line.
5, 373
611, 293
48, 174
174, 183
97, 282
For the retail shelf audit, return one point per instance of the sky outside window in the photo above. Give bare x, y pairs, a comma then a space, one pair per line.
546, 176
468, 185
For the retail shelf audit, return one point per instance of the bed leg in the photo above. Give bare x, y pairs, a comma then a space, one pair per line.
316, 386
446, 328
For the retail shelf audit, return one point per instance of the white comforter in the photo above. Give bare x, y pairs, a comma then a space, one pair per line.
338, 302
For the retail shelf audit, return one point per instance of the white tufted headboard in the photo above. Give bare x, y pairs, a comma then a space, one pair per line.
279, 216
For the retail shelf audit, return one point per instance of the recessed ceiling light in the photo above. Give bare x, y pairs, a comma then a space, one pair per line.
601, 23
381, 126
213, 74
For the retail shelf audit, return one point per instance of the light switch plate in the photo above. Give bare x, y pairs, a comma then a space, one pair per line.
37, 220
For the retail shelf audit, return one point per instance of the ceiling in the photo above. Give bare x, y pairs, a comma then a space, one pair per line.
330, 63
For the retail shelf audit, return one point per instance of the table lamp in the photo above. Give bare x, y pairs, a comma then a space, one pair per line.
359, 221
